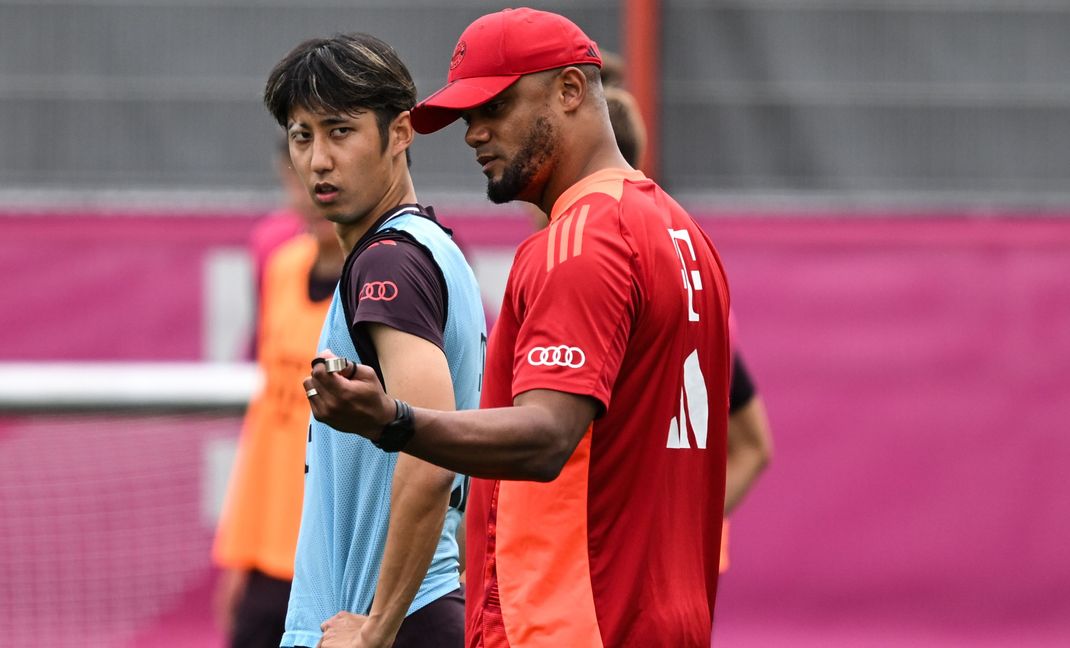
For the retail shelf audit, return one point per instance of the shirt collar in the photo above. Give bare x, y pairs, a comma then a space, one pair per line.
612, 176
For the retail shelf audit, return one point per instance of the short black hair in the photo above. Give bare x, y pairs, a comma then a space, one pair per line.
345, 73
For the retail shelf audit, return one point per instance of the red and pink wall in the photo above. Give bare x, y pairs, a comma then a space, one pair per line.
916, 371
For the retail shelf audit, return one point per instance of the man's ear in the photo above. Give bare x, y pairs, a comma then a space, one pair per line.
401, 133
571, 88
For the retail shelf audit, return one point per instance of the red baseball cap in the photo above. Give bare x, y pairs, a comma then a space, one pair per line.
494, 52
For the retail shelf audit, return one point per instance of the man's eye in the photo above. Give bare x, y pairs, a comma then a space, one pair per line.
341, 131
299, 136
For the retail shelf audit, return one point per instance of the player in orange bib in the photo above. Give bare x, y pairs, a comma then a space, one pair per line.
257, 534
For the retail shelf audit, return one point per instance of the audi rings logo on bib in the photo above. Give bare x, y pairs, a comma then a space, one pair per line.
557, 356
379, 291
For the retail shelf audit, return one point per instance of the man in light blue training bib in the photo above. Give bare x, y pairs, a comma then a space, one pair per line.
377, 557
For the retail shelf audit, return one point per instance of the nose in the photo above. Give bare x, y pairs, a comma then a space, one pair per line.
476, 134
322, 161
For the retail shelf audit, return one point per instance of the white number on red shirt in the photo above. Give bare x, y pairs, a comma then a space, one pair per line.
692, 279
694, 408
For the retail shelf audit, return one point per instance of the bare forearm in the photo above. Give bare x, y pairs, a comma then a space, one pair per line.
530, 441
419, 498
519, 442
417, 371
741, 474
750, 447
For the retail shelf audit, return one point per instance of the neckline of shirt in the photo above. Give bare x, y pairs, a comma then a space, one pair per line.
576, 191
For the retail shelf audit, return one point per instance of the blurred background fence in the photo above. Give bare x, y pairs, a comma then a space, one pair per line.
961, 100
887, 183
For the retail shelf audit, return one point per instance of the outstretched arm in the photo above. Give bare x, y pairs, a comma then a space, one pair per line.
531, 440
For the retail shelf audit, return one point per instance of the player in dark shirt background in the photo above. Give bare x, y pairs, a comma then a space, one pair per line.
750, 441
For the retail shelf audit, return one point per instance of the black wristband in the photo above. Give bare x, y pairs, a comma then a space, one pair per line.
397, 433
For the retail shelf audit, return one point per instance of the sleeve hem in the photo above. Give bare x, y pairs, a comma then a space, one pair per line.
600, 395
411, 327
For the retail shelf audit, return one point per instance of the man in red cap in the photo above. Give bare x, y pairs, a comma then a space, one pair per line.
600, 452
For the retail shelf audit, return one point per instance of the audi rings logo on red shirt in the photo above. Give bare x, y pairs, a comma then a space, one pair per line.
557, 356
379, 291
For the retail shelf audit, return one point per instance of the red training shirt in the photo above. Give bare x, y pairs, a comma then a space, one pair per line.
623, 299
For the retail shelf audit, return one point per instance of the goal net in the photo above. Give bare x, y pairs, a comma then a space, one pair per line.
111, 478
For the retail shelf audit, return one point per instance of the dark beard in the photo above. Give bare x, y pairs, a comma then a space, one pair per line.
538, 148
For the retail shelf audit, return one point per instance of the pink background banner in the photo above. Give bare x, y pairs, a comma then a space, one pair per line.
916, 371
917, 375
99, 287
